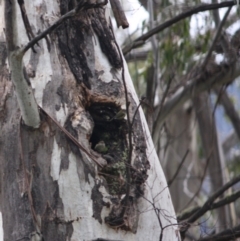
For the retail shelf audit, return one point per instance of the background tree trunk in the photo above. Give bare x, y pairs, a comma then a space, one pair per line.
50, 189
181, 144
211, 149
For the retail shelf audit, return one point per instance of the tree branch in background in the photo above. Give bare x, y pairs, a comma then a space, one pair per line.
150, 96
226, 235
136, 56
216, 37
210, 145
208, 204
216, 16
224, 201
201, 183
216, 75
200, 8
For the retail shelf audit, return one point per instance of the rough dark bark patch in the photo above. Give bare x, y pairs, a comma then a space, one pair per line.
73, 41
105, 36
5, 83
113, 133
75, 36
113, 88
98, 203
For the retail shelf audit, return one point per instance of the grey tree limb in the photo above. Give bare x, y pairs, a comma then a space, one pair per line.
226, 235
200, 8
208, 204
224, 201
219, 75
24, 93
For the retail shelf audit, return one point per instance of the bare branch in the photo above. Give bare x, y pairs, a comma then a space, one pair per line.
136, 56
215, 38
216, 16
200, 8
73, 139
224, 201
218, 75
208, 204
178, 169
226, 235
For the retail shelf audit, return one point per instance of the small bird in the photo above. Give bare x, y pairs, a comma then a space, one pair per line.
101, 147
120, 115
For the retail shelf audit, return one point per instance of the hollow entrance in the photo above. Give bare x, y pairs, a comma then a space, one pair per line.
109, 133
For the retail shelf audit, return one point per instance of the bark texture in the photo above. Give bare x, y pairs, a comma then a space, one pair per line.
50, 189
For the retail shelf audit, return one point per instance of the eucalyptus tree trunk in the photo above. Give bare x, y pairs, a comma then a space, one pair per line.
59, 101
212, 152
181, 154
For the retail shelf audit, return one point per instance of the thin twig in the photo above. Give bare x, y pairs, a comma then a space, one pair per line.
26, 23
178, 169
130, 147
71, 137
161, 104
225, 235
224, 201
208, 204
204, 64
141, 101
